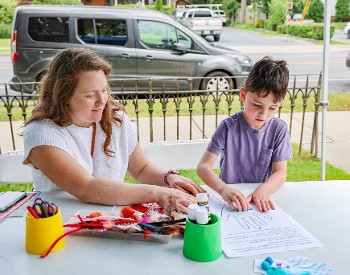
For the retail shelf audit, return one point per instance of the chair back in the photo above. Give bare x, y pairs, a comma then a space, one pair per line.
12, 170
179, 154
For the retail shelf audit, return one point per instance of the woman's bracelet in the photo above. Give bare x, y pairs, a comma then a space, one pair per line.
167, 174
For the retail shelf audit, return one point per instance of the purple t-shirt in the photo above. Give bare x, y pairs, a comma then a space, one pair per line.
247, 154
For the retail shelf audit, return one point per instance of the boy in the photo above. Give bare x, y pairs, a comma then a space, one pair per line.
253, 144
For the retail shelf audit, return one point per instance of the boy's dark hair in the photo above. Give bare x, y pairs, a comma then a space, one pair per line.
268, 76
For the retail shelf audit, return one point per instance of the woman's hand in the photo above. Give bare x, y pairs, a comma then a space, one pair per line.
235, 199
171, 199
262, 200
184, 184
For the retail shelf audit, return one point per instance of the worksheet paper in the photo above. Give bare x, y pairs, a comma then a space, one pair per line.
253, 232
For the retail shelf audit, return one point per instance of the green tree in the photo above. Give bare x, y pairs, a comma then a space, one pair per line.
342, 10
7, 8
231, 8
159, 5
316, 11
197, 2
277, 11
298, 6
56, 2
264, 7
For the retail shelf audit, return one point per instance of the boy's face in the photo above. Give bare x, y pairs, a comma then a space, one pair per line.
257, 109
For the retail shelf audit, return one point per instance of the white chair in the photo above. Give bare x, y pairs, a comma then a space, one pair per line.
12, 170
180, 154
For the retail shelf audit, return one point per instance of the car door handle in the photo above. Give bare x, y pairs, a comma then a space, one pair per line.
125, 55
149, 57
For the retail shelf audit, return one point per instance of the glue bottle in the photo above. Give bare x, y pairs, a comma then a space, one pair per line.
202, 201
202, 215
192, 212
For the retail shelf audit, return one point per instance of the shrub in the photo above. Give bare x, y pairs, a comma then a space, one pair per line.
282, 29
261, 23
342, 10
316, 11
5, 30
313, 31
158, 5
269, 25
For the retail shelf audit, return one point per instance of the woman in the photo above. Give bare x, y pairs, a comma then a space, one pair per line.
81, 141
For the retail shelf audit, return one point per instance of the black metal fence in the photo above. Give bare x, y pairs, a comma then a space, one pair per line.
179, 112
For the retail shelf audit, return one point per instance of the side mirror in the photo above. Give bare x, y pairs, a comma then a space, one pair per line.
179, 47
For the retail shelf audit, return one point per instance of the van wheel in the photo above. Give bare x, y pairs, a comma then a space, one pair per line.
219, 80
216, 37
38, 79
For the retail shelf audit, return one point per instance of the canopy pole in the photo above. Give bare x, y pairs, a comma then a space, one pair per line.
324, 102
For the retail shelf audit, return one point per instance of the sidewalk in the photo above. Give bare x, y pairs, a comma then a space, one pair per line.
337, 142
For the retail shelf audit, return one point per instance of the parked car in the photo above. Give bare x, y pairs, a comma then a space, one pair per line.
347, 61
139, 43
203, 21
347, 30
179, 13
297, 17
221, 14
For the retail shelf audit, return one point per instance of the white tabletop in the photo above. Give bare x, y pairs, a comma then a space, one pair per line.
321, 207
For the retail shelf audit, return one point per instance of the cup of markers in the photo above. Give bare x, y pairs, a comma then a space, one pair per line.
202, 239
43, 227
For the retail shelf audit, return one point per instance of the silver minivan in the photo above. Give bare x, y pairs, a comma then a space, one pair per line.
140, 44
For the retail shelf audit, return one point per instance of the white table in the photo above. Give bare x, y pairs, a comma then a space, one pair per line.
321, 207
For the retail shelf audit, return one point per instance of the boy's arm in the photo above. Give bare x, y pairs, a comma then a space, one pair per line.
261, 196
232, 196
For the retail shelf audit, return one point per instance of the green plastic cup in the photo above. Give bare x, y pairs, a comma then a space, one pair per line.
202, 242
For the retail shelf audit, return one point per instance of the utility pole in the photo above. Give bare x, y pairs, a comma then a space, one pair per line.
243, 10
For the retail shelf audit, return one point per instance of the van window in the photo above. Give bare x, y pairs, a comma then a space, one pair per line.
161, 36
49, 29
102, 31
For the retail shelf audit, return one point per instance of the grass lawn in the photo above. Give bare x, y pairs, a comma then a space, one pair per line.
301, 168
5, 45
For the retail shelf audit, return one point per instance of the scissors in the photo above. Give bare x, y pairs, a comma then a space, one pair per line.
43, 209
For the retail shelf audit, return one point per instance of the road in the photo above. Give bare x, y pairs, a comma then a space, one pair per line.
303, 56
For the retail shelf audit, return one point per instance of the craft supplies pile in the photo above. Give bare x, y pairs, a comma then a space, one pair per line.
147, 218
142, 218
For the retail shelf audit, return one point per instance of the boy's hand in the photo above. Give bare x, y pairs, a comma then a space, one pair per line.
261, 200
235, 199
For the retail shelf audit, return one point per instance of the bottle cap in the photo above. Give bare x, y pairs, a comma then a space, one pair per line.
202, 215
192, 211
202, 197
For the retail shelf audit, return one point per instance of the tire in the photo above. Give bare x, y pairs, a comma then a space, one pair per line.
216, 37
210, 83
348, 34
38, 79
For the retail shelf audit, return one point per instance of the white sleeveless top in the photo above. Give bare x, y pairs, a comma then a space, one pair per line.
76, 141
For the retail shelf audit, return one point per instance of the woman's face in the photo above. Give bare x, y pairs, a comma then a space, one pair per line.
89, 98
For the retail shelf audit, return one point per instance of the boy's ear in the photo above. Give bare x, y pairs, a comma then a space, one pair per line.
242, 93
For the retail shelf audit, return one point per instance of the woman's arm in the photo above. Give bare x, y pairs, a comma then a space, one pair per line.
144, 171
70, 176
